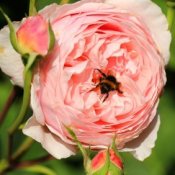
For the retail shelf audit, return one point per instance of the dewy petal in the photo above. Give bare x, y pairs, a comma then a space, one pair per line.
154, 19
10, 61
53, 144
141, 146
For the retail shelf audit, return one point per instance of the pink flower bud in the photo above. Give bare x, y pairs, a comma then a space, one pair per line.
115, 159
111, 166
33, 35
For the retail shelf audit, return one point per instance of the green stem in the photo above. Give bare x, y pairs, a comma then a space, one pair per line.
170, 13
25, 102
23, 110
26, 95
36, 161
32, 8
23, 148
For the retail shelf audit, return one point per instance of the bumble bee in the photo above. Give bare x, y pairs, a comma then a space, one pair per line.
108, 83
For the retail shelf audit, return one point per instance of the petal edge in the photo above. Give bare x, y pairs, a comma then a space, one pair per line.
50, 142
141, 147
10, 61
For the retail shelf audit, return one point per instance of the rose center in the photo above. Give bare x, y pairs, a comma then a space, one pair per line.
107, 83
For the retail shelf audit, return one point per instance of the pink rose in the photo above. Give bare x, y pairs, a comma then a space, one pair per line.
127, 40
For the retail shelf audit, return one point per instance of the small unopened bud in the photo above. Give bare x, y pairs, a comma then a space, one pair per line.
107, 162
34, 35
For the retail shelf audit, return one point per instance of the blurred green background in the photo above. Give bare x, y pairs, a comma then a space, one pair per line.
162, 160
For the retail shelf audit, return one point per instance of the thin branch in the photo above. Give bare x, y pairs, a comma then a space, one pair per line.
20, 165
29, 163
10, 147
22, 148
9, 103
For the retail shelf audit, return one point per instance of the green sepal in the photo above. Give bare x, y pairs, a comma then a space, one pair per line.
51, 37
73, 135
13, 37
114, 148
114, 170
85, 153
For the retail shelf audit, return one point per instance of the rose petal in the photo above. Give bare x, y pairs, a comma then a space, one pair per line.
141, 146
146, 10
53, 144
158, 26
10, 60
35, 101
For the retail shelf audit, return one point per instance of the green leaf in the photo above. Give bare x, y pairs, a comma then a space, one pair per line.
40, 169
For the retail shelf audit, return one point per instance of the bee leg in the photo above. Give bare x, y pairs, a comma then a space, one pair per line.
107, 95
95, 88
118, 89
121, 92
103, 74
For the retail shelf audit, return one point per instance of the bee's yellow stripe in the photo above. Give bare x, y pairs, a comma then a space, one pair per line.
113, 85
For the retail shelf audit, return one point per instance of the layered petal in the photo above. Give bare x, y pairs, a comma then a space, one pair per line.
105, 74
141, 147
53, 144
10, 61
152, 16
146, 10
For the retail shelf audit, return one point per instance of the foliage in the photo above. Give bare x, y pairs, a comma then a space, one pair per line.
162, 160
